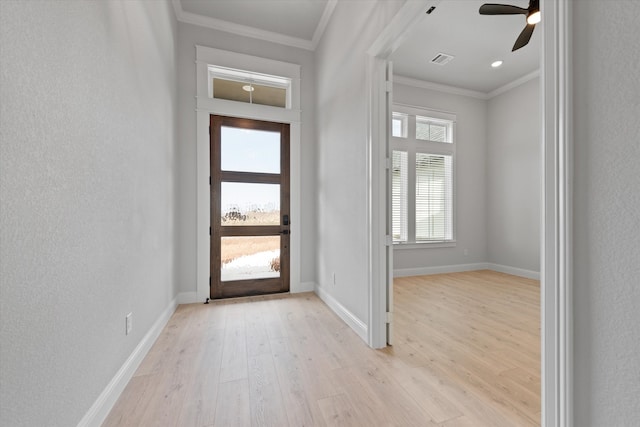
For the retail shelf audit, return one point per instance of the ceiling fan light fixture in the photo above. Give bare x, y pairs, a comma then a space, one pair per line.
532, 14
534, 17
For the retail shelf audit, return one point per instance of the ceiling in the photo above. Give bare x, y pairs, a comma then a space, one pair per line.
455, 27
298, 23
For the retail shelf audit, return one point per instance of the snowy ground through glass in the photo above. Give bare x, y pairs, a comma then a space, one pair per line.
255, 266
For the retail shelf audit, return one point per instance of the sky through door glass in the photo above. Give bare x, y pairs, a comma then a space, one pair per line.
248, 150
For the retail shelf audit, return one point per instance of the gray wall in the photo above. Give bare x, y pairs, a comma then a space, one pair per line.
514, 177
497, 179
88, 131
470, 179
606, 61
188, 37
341, 122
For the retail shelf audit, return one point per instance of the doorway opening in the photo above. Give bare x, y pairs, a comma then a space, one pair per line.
250, 207
556, 159
465, 190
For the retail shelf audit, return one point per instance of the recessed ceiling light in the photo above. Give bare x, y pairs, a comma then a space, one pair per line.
496, 64
248, 88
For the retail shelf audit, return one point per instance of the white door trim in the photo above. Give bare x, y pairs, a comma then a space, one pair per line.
557, 216
377, 202
556, 256
205, 106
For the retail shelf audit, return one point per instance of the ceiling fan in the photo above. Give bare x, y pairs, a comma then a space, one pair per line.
532, 13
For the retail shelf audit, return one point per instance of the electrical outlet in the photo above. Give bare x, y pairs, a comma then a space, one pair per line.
128, 323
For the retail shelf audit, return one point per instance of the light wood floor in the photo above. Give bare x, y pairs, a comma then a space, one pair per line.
467, 354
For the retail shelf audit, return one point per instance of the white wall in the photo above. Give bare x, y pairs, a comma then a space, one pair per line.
88, 131
341, 121
606, 60
188, 37
514, 177
470, 185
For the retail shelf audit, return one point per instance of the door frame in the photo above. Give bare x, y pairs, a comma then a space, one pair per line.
253, 286
557, 172
205, 106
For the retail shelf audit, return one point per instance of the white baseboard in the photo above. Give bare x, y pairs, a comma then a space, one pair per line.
423, 271
348, 317
458, 268
103, 405
188, 298
529, 274
303, 287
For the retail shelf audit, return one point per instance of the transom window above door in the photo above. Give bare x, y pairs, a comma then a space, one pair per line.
249, 87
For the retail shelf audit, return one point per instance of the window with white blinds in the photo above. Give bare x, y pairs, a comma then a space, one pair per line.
422, 178
433, 197
430, 129
399, 193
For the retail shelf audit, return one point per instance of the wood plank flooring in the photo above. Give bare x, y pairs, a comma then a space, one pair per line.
467, 353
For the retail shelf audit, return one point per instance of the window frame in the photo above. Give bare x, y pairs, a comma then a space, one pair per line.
411, 145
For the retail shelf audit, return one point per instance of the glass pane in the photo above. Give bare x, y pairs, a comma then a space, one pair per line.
437, 132
249, 257
268, 95
430, 129
396, 127
434, 196
422, 129
231, 90
249, 150
399, 125
252, 93
399, 194
250, 204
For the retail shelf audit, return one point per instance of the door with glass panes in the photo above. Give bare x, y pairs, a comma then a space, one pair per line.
249, 207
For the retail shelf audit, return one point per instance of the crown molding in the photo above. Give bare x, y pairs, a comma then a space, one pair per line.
407, 81
324, 21
522, 80
256, 33
177, 8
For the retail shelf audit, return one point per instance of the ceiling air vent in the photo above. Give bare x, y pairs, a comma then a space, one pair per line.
441, 59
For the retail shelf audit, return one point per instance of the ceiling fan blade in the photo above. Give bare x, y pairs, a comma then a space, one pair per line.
501, 9
524, 37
